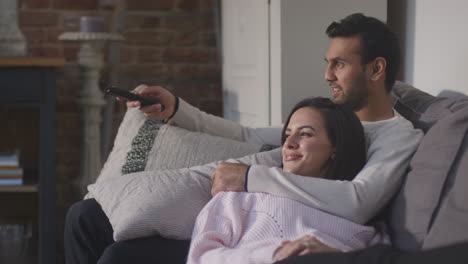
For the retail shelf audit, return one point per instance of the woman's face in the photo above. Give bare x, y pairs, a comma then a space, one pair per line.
307, 148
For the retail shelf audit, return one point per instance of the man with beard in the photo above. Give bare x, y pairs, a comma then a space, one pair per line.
362, 62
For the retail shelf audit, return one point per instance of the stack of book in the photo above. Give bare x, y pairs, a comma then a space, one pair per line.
10, 171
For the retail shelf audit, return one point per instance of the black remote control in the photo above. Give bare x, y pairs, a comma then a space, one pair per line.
145, 101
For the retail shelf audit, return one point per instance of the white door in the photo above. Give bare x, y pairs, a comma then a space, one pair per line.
245, 38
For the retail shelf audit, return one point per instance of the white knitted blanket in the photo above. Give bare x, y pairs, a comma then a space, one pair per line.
237, 227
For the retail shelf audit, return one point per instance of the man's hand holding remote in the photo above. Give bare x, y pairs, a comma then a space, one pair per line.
161, 95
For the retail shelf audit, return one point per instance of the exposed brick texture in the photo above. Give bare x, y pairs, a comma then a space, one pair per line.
208, 39
75, 5
138, 22
149, 55
127, 55
145, 5
188, 38
148, 38
188, 5
207, 5
189, 55
190, 22
171, 43
36, 3
43, 51
34, 35
38, 19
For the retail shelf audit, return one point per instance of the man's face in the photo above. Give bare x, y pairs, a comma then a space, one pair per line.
345, 74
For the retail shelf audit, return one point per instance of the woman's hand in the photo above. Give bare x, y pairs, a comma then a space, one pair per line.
160, 94
302, 246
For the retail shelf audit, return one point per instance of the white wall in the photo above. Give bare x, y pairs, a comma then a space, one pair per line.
435, 41
303, 44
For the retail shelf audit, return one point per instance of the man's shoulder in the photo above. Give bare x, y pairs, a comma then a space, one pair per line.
395, 128
397, 122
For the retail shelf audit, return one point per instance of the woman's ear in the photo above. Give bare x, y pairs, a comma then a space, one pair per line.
378, 69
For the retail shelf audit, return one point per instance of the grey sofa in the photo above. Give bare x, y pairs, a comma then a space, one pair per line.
431, 208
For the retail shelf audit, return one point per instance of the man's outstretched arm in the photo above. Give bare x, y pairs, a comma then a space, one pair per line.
191, 118
179, 113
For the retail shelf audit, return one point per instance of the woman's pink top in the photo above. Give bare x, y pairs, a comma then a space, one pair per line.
239, 227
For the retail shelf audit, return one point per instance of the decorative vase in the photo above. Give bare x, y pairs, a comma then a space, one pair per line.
12, 41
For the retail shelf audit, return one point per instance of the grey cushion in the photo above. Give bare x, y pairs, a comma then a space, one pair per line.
421, 108
419, 198
425, 190
450, 224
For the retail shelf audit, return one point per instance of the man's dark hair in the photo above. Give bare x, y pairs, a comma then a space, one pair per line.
377, 40
345, 133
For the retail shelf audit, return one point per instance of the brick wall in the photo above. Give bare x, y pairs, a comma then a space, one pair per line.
167, 42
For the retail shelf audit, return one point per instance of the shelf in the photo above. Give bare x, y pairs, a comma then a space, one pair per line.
25, 188
31, 61
28, 82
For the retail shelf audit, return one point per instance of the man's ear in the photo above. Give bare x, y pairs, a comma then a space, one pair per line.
378, 69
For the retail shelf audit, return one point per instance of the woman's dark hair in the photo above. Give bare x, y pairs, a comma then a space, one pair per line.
345, 133
377, 40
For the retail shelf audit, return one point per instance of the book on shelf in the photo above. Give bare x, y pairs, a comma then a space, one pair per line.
4, 182
11, 173
9, 159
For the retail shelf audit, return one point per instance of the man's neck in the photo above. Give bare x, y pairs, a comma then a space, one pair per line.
377, 109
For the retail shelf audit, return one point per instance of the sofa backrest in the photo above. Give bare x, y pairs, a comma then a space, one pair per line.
429, 210
421, 108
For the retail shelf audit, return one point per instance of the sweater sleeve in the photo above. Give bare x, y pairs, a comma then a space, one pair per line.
358, 200
191, 118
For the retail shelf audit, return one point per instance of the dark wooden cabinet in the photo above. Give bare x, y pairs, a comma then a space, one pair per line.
27, 87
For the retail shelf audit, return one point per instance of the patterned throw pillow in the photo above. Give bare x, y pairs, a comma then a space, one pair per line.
137, 157
142, 144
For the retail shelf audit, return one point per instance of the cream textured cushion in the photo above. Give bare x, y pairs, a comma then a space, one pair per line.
145, 187
153, 202
143, 144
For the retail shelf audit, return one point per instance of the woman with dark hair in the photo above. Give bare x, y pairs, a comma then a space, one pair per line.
319, 139
345, 132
